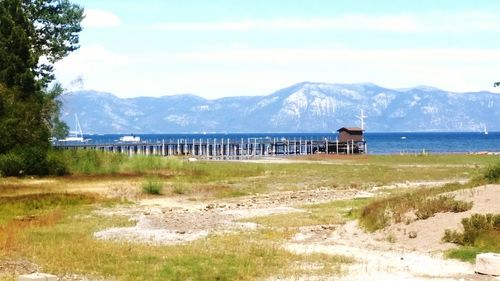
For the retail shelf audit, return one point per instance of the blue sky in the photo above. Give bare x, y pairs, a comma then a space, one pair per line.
232, 48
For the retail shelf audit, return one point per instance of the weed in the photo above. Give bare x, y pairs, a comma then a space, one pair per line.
179, 187
152, 185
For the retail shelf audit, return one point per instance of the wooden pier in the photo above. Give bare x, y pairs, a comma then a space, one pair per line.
225, 148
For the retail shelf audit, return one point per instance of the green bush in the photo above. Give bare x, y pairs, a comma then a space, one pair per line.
57, 163
24, 160
152, 185
492, 173
474, 227
11, 164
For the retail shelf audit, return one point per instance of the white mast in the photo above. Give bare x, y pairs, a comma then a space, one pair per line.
362, 119
78, 128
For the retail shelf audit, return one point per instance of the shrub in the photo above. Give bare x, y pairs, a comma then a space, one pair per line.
492, 173
57, 163
152, 185
11, 164
429, 207
474, 227
24, 160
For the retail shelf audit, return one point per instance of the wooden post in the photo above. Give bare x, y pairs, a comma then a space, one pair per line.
215, 148
255, 147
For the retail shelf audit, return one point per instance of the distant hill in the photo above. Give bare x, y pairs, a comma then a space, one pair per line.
304, 107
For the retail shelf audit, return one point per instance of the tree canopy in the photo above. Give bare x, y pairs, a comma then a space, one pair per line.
34, 34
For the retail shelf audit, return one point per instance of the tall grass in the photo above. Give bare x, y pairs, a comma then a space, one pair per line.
91, 162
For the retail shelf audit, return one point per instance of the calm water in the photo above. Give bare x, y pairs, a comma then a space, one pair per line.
378, 143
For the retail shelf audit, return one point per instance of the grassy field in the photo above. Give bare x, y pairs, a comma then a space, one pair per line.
50, 221
57, 232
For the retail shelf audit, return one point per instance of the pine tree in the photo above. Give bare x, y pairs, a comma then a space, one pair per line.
34, 34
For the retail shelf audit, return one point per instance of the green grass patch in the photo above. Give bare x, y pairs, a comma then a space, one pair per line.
466, 253
30, 205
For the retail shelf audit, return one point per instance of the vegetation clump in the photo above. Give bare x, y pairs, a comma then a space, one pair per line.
424, 203
474, 227
481, 233
153, 185
492, 173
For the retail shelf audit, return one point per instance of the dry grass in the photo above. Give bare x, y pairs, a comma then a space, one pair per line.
423, 202
68, 247
336, 212
48, 222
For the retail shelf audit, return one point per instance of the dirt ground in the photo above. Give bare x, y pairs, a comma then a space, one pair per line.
385, 255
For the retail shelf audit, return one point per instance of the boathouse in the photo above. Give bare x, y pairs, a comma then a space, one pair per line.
353, 134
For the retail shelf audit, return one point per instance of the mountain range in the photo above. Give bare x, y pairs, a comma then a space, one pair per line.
303, 107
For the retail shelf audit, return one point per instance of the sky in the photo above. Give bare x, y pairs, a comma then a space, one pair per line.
223, 48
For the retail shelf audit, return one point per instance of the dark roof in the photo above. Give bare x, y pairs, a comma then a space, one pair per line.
350, 129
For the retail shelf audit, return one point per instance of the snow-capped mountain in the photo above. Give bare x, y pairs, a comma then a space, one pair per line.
304, 107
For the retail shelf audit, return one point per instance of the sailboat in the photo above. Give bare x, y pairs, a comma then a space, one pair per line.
484, 129
77, 134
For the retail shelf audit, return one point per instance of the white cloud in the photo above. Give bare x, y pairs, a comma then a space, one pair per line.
250, 71
428, 22
100, 18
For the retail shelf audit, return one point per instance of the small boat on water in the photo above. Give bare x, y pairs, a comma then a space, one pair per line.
130, 138
76, 135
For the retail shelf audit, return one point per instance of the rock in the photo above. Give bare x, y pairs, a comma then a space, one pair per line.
328, 227
37, 277
488, 263
412, 234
